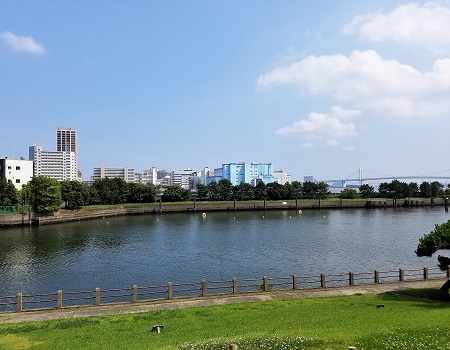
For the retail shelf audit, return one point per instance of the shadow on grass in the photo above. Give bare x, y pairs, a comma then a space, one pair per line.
428, 297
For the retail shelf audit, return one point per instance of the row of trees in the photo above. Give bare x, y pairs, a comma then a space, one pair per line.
46, 194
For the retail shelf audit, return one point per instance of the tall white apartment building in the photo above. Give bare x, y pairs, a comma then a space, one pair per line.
19, 171
59, 165
126, 174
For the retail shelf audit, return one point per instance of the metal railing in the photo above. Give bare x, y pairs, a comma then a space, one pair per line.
171, 291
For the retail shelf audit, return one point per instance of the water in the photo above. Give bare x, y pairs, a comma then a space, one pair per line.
155, 249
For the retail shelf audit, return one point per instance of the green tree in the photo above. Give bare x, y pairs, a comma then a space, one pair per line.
322, 190
425, 189
349, 193
414, 189
366, 191
75, 194
310, 190
436, 189
260, 190
8, 193
213, 191
296, 190
202, 192
45, 194
109, 191
141, 193
176, 193
436, 240
225, 189
275, 191
243, 192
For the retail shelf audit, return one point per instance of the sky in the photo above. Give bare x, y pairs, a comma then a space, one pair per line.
317, 88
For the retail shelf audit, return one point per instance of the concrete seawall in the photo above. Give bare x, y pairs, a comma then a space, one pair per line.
63, 215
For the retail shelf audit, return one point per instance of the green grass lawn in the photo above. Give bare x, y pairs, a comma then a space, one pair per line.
408, 320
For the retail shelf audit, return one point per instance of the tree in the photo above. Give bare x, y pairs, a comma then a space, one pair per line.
309, 190
297, 190
176, 193
45, 194
436, 189
366, 191
225, 188
213, 191
322, 190
349, 193
109, 191
260, 190
438, 239
414, 189
8, 193
202, 192
275, 191
425, 189
243, 192
74, 193
141, 193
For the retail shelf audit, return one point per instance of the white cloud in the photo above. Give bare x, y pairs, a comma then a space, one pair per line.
409, 24
22, 43
366, 82
324, 128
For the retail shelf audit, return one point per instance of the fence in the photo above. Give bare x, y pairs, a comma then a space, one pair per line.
170, 291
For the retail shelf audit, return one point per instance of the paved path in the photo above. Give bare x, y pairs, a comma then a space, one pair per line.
28, 316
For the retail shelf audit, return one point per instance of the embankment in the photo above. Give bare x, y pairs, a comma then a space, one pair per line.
64, 215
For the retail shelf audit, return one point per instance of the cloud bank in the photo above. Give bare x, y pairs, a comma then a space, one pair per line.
364, 83
22, 43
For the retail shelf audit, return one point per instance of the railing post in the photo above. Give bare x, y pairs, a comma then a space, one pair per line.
235, 290
351, 278
265, 284
294, 282
401, 275
203, 288
377, 276
59, 299
135, 293
169, 291
97, 296
19, 302
322, 280
425, 273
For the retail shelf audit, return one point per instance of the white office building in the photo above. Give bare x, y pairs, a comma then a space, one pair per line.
126, 174
184, 178
282, 177
149, 176
19, 171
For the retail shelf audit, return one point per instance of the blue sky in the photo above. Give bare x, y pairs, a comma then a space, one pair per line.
317, 88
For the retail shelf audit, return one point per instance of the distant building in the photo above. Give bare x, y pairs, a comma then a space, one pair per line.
184, 178
55, 165
126, 174
282, 177
237, 173
19, 171
148, 176
308, 178
61, 164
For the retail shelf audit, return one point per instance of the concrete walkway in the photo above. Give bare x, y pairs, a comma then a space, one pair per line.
86, 311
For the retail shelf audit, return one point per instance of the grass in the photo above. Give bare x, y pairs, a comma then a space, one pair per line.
408, 320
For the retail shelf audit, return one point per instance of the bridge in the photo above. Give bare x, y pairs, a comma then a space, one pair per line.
351, 181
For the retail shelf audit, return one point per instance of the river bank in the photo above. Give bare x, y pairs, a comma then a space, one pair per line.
64, 215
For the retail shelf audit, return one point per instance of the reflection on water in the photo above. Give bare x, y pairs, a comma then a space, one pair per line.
154, 249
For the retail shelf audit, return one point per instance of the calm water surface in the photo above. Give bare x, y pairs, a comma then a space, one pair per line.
155, 249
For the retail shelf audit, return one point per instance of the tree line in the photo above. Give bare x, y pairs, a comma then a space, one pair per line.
46, 195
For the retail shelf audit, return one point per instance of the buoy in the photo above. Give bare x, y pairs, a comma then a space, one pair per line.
300, 212
204, 215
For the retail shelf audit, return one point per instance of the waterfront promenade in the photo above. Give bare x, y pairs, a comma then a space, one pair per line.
87, 311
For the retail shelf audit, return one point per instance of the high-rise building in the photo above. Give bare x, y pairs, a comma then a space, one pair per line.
61, 164
249, 173
66, 140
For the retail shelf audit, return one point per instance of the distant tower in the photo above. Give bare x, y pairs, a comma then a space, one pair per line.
360, 176
66, 140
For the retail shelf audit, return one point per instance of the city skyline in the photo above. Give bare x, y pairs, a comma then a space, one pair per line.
319, 89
